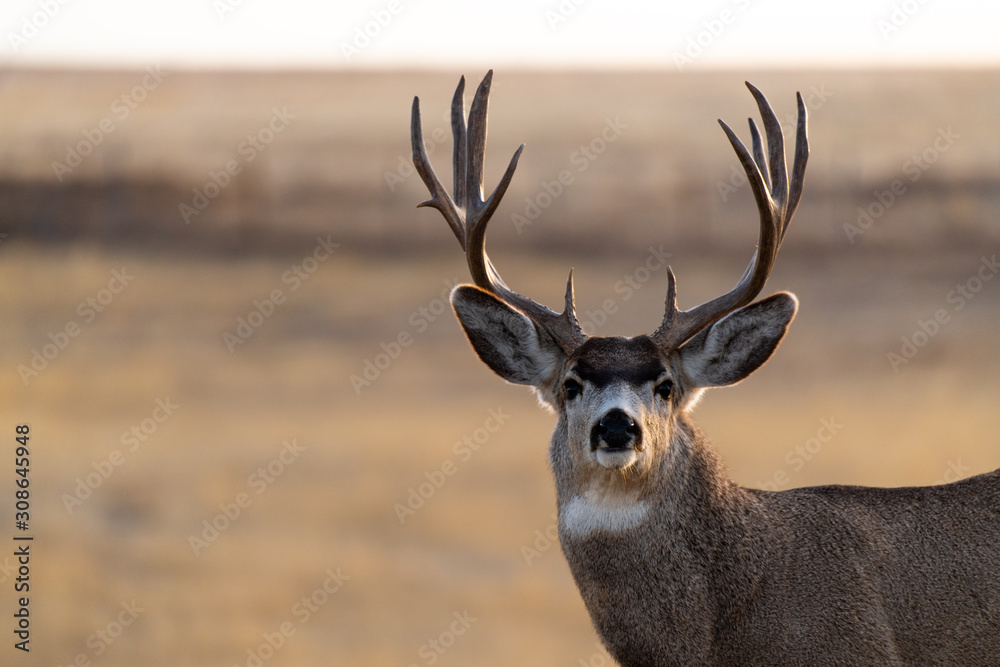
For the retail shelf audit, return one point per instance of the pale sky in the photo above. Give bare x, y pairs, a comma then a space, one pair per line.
513, 33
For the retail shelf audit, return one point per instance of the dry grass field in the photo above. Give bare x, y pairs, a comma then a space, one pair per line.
167, 405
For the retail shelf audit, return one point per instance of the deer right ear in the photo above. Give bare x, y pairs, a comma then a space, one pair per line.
505, 339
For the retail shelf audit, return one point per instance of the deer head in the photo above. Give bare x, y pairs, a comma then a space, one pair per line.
618, 399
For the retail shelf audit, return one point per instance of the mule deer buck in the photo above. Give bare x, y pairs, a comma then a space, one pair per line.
677, 564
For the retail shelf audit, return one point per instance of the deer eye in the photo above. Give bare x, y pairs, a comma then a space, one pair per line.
572, 389
663, 389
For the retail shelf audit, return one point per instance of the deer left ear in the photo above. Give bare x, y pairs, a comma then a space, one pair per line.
738, 344
505, 339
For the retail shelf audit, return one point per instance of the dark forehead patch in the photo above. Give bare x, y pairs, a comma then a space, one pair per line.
602, 361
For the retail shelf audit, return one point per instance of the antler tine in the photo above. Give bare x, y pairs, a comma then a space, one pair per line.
758, 149
440, 199
460, 149
775, 150
776, 200
468, 213
477, 211
798, 162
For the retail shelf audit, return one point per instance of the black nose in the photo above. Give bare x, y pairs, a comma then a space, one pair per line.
616, 430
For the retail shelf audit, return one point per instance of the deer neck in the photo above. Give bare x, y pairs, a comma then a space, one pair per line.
687, 489
690, 538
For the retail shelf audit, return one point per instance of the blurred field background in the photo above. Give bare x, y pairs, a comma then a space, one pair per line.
409, 584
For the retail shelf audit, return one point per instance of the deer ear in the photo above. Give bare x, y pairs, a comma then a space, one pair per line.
505, 339
738, 344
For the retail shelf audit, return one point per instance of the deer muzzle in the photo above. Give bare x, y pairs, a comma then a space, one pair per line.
616, 431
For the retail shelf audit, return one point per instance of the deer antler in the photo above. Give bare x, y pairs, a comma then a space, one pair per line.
468, 213
776, 201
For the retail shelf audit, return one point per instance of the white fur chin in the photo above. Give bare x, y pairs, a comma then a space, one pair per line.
583, 516
617, 460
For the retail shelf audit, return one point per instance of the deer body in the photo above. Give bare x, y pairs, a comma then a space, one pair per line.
678, 565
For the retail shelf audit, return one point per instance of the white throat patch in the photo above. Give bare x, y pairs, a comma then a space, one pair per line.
584, 516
